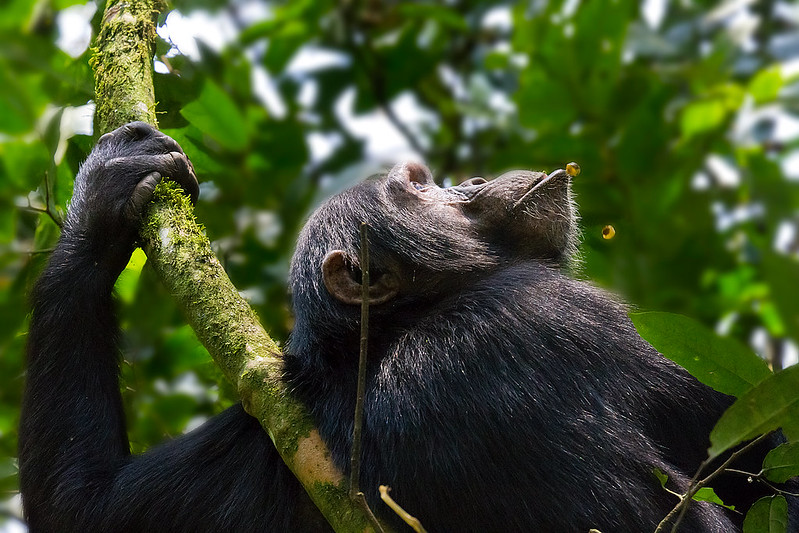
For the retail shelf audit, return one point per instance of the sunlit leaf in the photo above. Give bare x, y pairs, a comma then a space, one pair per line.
700, 117
782, 274
216, 114
129, 278
772, 404
61, 4
766, 84
719, 362
707, 494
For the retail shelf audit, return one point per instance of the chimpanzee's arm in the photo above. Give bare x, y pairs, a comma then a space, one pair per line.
76, 472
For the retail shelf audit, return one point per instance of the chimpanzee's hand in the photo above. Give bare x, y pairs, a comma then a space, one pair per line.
114, 185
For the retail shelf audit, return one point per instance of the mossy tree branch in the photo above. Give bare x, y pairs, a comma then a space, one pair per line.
180, 253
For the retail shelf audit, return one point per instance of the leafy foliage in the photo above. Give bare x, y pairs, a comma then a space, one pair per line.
767, 516
772, 404
782, 463
678, 124
721, 363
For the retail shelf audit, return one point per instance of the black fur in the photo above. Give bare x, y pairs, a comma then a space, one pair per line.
502, 394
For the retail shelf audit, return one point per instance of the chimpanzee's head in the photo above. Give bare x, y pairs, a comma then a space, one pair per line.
425, 239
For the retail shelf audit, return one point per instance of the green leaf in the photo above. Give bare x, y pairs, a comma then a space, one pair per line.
128, 280
185, 351
18, 105
662, 477
8, 467
707, 494
766, 84
782, 463
772, 404
8, 219
293, 34
537, 91
719, 362
215, 114
25, 163
63, 187
767, 515
496, 61
446, 16
731, 94
61, 4
17, 13
702, 116
782, 275
47, 233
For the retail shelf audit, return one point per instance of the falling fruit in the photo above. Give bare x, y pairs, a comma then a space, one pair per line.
608, 232
573, 169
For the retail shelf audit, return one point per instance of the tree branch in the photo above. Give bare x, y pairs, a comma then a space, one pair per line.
681, 508
180, 253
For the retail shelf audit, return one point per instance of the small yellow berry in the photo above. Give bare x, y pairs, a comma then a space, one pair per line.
573, 169
608, 232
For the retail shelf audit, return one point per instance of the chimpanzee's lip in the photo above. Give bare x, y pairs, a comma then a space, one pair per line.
557, 174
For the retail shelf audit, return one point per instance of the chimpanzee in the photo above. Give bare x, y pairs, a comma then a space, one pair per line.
502, 394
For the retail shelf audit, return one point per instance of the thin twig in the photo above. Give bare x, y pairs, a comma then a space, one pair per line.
355, 460
402, 513
755, 477
46, 210
55, 219
694, 486
42, 211
760, 479
774, 353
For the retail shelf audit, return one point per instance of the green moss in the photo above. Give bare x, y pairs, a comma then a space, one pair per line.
338, 508
267, 398
123, 66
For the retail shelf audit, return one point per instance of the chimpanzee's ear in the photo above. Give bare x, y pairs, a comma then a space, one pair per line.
342, 281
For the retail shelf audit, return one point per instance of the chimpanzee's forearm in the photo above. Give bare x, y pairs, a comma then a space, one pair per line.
72, 431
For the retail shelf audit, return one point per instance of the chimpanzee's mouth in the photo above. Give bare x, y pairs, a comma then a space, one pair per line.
555, 175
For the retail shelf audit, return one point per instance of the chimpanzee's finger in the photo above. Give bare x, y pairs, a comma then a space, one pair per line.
185, 177
154, 141
142, 194
106, 137
173, 165
160, 142
136, 130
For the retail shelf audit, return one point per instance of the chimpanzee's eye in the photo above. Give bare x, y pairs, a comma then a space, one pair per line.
418, 186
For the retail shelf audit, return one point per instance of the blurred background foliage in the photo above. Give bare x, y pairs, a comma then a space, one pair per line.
682, 115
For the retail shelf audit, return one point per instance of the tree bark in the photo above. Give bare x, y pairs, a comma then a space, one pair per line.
180, 253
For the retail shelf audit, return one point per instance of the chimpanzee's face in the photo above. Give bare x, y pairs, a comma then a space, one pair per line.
426, 238
520, 215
